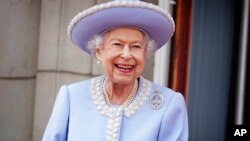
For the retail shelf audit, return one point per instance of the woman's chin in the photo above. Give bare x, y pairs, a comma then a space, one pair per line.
125, 80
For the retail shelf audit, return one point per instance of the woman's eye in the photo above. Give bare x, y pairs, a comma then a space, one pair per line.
117, 44
136, 46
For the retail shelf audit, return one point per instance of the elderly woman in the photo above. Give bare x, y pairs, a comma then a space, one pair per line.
120, 105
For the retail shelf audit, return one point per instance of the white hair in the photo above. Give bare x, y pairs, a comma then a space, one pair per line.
97, 40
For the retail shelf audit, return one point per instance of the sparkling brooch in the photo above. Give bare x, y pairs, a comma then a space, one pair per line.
156, 100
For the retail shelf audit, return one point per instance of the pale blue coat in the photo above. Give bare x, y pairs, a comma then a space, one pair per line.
76, 118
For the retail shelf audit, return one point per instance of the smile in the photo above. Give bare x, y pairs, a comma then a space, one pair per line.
125, 68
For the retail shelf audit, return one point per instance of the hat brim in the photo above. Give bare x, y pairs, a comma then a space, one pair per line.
154, 23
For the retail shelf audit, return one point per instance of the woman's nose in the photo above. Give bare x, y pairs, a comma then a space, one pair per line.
126, 54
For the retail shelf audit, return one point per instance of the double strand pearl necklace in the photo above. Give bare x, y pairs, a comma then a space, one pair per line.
128, 99
114, 114
97, 95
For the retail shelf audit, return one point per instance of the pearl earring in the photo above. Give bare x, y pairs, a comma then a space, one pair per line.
98, 62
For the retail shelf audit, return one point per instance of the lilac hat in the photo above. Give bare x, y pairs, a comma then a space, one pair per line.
152, 19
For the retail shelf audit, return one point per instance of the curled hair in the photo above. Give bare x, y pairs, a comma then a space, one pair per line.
151, 46
97, 40
95, 43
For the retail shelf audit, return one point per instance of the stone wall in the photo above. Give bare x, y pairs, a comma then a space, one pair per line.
18, 66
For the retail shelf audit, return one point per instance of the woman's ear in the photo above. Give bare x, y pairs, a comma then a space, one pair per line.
98, 54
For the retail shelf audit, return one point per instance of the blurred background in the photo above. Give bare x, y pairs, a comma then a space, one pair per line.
207, 60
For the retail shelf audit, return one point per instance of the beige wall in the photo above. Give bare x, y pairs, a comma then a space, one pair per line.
36, 58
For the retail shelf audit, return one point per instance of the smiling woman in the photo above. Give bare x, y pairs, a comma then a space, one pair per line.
121, 104
122, 55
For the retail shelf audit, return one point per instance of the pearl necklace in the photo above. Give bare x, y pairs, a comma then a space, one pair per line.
128, 99
114, 114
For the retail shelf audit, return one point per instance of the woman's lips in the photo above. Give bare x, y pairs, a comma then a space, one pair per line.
124, 68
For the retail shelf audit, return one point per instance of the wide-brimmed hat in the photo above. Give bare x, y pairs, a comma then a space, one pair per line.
152, 19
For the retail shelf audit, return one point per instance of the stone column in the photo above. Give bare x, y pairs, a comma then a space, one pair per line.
18, 62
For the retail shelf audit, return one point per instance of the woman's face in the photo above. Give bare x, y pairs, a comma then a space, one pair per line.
123, 55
